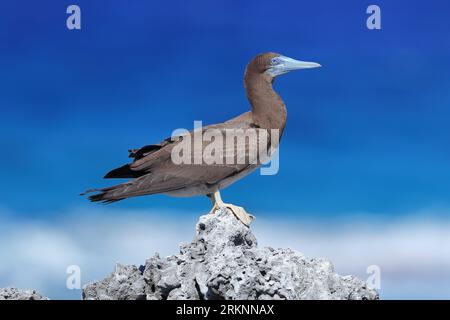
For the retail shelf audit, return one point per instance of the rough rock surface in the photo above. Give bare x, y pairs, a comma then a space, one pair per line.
18, 294
224, 262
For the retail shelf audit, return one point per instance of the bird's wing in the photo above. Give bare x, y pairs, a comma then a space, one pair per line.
161, 157
156, 172
149, 156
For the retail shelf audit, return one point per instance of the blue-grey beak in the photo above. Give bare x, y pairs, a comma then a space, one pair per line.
281, 65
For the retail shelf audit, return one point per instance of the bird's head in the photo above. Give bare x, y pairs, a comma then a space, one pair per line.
274, 64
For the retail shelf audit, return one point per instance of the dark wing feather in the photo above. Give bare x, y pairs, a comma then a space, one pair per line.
123, 172
142, 152
126, 171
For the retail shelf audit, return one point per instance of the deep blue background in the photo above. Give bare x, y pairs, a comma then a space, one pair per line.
368, 132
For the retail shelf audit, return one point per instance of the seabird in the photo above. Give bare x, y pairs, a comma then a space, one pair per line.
153, 170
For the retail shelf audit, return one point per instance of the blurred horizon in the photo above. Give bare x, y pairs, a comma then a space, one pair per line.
367, 134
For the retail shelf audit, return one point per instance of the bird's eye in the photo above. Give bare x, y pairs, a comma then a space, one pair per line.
274, 61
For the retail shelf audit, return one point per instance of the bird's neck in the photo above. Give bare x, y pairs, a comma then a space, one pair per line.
268, 109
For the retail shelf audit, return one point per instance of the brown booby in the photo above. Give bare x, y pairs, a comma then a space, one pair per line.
153, 170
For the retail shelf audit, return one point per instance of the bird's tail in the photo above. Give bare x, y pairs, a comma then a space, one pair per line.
137, 187
105, 195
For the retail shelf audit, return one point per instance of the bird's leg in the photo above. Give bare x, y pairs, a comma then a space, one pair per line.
216, 201
239, 212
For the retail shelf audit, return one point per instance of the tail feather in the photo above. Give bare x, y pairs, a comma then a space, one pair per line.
144, 185
104, 195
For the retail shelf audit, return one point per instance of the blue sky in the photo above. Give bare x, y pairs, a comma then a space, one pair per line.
366, 133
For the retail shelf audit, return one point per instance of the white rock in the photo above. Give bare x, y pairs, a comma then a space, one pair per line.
11, 293
224, 262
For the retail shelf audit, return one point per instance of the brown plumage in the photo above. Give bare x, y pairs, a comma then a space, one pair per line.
153, 171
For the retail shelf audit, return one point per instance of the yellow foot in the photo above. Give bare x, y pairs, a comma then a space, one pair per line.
214, 208
240, 213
